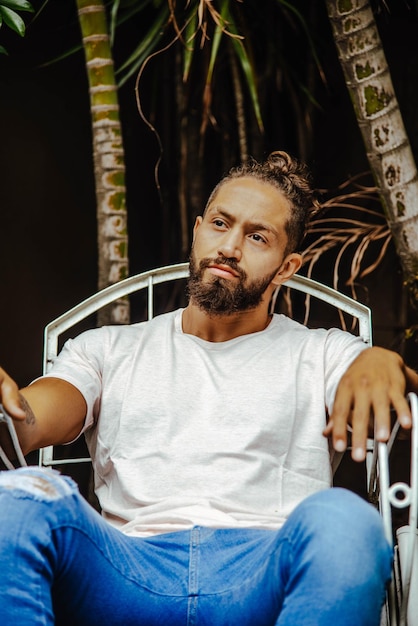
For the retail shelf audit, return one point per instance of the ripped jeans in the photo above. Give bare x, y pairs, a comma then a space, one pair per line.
61, 563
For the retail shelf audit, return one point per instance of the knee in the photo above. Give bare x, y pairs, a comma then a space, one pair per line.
336, 543
33, 501
342, 518
336, 527
36, 483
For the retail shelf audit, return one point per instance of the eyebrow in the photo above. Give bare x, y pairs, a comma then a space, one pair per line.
253, 225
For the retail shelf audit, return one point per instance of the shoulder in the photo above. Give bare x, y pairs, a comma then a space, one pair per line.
331, 339
93, 348
283, 322
108, 335
284, 326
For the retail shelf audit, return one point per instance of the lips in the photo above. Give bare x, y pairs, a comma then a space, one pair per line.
225, 271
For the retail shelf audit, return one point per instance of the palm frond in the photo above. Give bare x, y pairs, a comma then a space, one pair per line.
357, 235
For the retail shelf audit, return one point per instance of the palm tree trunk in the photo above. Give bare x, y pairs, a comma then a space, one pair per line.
108, 156
388, 150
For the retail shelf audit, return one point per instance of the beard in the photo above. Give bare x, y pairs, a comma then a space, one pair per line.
222, 296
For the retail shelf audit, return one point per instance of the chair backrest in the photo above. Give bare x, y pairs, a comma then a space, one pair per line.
148, 280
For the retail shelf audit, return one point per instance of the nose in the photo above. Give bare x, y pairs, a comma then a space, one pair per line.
230, 246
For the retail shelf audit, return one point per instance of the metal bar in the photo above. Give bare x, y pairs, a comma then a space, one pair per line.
150, 297
5, 417
408, 564
336, 299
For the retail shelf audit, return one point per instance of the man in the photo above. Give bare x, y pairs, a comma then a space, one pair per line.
206, 428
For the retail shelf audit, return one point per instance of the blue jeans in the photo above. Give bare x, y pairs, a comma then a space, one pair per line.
61, 563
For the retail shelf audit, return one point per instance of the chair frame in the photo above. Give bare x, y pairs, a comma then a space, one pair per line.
400, 495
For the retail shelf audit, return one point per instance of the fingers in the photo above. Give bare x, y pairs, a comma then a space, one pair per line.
371, 388
352, 408
9, 396
403, 412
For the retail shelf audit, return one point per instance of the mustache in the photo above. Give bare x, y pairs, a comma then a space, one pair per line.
222, 260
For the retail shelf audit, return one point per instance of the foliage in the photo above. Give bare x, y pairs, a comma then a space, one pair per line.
347, 225
348, 238
228, 42
10, 17
209, 75
210, 25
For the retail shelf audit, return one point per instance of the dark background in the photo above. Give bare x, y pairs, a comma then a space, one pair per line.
48, 250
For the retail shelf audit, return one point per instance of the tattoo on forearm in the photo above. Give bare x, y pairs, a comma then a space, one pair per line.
30, 417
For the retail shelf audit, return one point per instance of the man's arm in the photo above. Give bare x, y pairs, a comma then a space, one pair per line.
376, 382
50, 411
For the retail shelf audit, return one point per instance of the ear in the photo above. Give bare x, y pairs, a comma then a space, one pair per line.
291, 264
197, 223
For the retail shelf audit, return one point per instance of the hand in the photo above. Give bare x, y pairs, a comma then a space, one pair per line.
374, 383
9, 396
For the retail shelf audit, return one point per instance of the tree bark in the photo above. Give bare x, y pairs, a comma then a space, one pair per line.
387, 145
108, 156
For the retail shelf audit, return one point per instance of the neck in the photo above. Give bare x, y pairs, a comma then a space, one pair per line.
223, 327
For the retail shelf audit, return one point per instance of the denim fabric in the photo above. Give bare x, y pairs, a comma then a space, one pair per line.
62, 563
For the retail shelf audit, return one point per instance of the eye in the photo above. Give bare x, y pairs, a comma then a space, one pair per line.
258, 238
218, 222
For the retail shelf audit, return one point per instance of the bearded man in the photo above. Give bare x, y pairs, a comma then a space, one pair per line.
208, 429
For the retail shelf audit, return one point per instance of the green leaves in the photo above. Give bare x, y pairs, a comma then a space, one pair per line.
17, 5
147, 44
247, 66
195, 24
10, 17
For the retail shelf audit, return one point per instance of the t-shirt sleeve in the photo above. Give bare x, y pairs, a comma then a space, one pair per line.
80, 363
341, 349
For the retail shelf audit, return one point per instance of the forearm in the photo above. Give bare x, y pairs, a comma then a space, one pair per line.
50, 411
26, 430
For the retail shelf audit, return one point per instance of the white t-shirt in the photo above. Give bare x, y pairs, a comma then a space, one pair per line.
188, 432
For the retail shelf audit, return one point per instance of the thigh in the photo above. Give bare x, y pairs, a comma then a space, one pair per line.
338, 564
62, 563
110, 578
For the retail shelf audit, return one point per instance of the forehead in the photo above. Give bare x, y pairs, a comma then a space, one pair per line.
252, 199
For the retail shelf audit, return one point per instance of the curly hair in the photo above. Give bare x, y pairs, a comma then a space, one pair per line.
293, 179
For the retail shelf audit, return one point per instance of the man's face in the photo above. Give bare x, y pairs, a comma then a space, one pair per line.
239, 247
